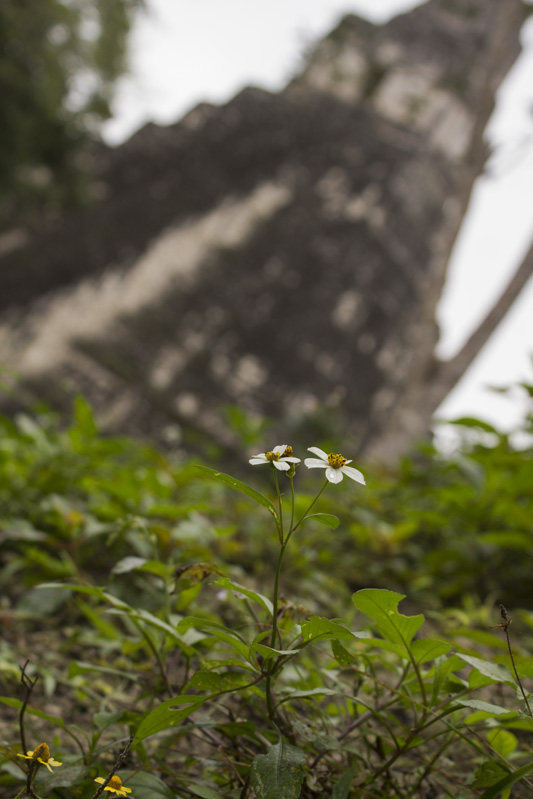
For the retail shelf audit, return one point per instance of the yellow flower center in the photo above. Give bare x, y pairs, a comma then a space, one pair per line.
42, 752
287, 453
115, 782
336, 461
272, 456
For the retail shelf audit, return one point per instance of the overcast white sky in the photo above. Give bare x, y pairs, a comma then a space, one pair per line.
187, 51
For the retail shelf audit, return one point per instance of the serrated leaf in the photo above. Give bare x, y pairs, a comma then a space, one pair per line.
146, 786
341, 654
327, 519
311, 693
381, 605
218, 631
489, 773
279, 773
268, 652
426, 649
319, 740
341, 789
227, 479
167, 715
64, 777
486, 707
381, 643
494, 791
103, 720
493, 671
318, 627
128, 564
502, 741
264, 601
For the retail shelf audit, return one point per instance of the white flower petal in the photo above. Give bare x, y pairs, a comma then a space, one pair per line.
256, 461
282, 466
261, 455
319, 452
280, 449
314, 463
333, 475
291, 460
347, 462
355, 474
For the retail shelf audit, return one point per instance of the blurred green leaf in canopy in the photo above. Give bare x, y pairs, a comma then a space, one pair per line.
59, 60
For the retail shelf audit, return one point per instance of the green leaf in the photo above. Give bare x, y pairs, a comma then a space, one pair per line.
471, 421
326, 519
204, 791
486, 707
152, 621
381, 643
341, 789
279, 773
494, 671
227, 479
341, 654
319, 740
64, 777
145, 785
267, 652
426, 649
502, 741
312, 692
167, 715
510, 539
318, 627
79, 667
488, 774
218, 631
128, 564
506, 782
224, 582
133, 563
381, 605
104, 719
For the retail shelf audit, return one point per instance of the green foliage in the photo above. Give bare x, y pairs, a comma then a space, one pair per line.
163, 601
279, 773
58, 63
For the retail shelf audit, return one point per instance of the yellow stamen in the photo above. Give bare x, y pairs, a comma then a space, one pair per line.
287, 453
115, 782
42, 752
336, 461
272, 456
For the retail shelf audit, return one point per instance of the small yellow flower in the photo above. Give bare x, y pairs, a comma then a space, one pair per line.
42, 755
114, 785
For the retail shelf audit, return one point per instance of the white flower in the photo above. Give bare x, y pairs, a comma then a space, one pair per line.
335, 466
281, 457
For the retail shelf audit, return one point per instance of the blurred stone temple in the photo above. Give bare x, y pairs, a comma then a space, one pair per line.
283, 253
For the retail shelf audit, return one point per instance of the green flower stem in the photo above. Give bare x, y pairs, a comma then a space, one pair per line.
304, 515
283, 541
280, 528
275, 631
157, 655
291, 478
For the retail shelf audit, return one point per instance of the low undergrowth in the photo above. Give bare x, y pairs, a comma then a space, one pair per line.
170, 631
